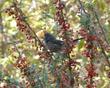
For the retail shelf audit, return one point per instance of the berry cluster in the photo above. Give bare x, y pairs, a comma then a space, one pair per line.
90, 52
64, 26
90, 48
28, 72
59, 16
15, 12
21, 63
91, 70
90, 74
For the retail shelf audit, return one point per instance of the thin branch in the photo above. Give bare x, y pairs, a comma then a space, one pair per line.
3, 45
102, 29
82, 7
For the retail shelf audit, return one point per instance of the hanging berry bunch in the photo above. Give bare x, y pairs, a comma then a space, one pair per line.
67, 37
90, 40
59, 16
28, 72
21, 63
15, 12
65, 31
90, 52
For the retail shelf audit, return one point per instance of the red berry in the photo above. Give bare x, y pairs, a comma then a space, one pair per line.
60, 6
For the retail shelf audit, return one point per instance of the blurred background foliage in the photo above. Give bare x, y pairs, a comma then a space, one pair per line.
40, 15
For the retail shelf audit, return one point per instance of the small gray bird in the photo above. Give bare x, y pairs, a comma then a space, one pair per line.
52, 43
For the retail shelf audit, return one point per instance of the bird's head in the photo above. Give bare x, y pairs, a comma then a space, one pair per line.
41, 34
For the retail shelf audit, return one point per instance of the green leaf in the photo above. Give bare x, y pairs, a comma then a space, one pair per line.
85, 20
80, 45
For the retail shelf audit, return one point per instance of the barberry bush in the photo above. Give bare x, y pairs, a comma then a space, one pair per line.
26, 62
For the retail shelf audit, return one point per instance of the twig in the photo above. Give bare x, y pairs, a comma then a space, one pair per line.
3, 45
102, 29
82, 7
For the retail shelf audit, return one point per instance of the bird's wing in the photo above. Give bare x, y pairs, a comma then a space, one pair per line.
58, 42
53, 46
